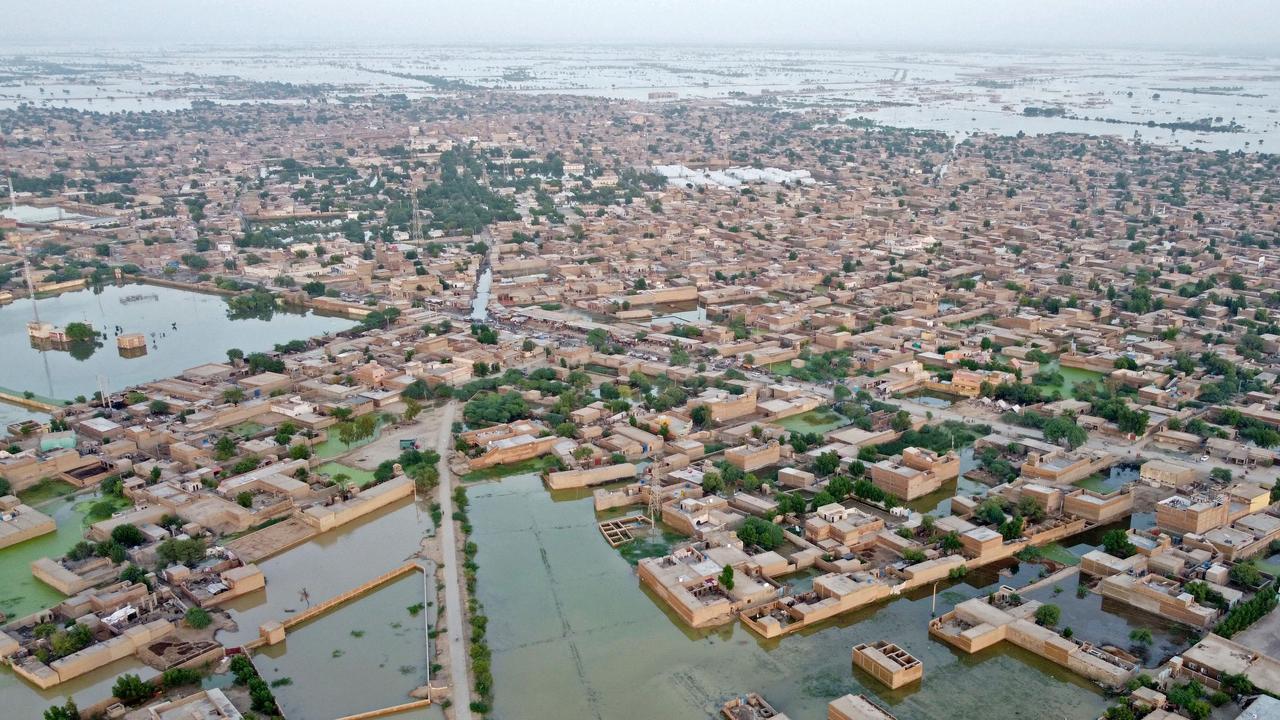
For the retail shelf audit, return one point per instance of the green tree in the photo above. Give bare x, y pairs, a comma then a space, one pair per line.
412, 408
224, 448
1065, 428
726, 577
131, 689
826, 463
198, 618
128, 535
1116, 543
66, 711
233, 395
134, 574
701, 416
244, 499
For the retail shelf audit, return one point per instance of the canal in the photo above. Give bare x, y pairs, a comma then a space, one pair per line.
183, 329
574, 635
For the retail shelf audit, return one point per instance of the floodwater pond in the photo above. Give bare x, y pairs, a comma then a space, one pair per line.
183, 329
938, 502
375, 638
575, 635
21, 700
1117, 477
329, 565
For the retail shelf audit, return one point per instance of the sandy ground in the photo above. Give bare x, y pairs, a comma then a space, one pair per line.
424, 429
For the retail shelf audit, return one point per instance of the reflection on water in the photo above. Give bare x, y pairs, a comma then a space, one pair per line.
183, 329
574, 635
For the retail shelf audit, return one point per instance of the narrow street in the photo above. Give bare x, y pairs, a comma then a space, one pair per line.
459, 680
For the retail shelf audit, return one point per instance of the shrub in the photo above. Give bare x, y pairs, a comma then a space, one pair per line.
198, 618
175, 677
1048, 615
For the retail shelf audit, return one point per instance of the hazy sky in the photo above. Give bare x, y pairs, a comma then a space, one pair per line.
1242, 25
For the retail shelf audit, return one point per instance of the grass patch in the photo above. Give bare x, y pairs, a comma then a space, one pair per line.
532, 465
1059, 554
819, 420
103, 508
45, 490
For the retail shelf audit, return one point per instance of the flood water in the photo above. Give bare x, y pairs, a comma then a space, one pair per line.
374, 638
20, 593
203, 334
574, 635
330, 564
480, 305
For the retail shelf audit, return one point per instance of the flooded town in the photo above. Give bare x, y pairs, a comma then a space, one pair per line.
548, 382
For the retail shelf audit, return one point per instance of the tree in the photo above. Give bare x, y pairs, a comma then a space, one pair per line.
233, 395
826, 463
1141, 636
244, 499
1011, 528
131, 689
1048, 615
134, 574
1223, 475
712, 482
1246, 574
760, 533
726, 577
411, 409
128, 535
184, 552
1065, 428
66, 711
234, 355
701, 416
225, 448
158, 407
950, 543
354, 431
901, 421
1116, 543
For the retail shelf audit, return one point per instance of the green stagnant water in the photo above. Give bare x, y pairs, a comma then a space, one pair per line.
20, 593
818, 421
574, 635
